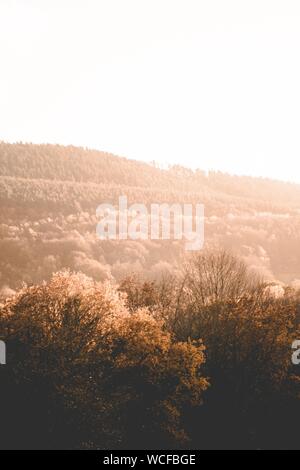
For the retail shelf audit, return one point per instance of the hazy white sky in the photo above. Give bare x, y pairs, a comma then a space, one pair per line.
205, 83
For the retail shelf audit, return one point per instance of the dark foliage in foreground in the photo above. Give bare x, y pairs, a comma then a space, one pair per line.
90, 366
83, 372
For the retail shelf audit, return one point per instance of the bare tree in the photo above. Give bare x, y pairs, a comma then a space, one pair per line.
218, 276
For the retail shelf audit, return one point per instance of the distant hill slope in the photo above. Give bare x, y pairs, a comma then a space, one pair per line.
58, 163
49, 195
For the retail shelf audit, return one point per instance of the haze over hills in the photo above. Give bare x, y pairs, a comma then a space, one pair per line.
48, 200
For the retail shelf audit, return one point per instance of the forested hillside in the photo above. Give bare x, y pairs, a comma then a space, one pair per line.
48, 200
155, 348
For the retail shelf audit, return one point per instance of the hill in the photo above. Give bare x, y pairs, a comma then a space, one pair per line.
48, 200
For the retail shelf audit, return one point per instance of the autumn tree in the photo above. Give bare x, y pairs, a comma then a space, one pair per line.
88, 373
248, 332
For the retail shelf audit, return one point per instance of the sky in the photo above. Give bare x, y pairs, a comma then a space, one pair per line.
211, 84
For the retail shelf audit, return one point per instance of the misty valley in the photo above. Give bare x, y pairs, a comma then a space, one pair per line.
49, 196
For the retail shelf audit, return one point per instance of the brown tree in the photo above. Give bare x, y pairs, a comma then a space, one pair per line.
92, 373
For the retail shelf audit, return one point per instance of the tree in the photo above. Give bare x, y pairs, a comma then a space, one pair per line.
91, 373
218, 276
